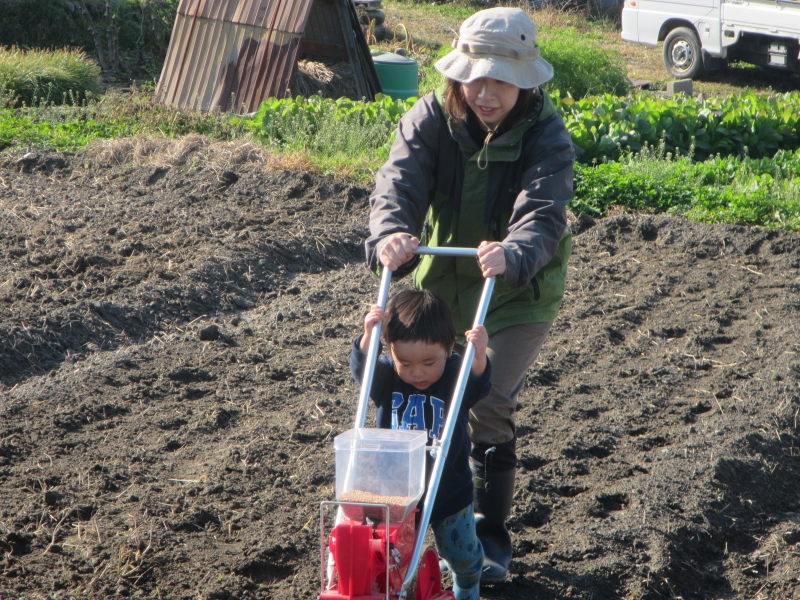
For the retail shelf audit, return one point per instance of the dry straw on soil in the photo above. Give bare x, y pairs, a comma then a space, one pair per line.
144, 150
191, 150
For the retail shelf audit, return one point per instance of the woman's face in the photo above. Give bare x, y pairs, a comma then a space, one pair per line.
490, 99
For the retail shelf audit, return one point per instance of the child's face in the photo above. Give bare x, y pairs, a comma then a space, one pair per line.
419, 363
490, 99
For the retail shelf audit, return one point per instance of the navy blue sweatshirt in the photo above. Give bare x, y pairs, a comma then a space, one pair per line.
399, 405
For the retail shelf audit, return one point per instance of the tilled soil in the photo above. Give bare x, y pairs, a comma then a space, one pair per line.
173, 371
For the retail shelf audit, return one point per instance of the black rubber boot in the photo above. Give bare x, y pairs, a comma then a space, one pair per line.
494, 495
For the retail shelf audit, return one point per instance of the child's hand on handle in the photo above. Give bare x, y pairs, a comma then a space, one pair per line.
492, 259
479, 339
398, 249
375, 315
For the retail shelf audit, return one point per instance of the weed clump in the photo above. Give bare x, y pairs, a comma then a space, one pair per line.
37, 77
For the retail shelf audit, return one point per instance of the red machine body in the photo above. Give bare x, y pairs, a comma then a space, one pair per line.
361, 562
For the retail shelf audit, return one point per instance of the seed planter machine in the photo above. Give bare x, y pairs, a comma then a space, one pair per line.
375, 548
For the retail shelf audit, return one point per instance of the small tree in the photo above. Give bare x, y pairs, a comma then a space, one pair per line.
108, 52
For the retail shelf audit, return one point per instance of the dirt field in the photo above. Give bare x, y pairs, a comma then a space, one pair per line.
173, 370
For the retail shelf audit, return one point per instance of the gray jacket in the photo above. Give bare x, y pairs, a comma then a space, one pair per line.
433, 187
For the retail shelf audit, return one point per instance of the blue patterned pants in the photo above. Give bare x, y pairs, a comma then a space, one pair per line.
459, 547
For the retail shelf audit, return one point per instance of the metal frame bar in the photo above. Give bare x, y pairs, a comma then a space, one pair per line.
372, 353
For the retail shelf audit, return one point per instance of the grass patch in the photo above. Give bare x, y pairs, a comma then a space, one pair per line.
582, 68
429, 78
428, 23
47, 77
115, 115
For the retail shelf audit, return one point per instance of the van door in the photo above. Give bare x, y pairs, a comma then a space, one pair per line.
709, 28
654, 13
630, 21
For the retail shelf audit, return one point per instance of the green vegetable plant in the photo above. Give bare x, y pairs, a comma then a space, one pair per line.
736, 190
603, 127
336, 132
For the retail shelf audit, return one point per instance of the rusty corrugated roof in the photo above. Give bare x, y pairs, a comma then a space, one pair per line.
232, 54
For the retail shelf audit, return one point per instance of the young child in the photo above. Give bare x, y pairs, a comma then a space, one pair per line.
412, 389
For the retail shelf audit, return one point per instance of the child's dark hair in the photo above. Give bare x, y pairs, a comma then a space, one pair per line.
419, 316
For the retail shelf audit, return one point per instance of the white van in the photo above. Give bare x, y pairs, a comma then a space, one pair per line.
707, 34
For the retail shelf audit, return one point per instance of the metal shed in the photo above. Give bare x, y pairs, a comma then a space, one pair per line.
232, 54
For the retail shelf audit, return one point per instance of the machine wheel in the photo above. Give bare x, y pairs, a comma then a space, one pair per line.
427, 585
683, 54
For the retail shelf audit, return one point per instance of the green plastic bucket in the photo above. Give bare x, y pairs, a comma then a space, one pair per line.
397, 74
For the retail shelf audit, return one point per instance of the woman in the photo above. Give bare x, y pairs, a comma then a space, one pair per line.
487, 164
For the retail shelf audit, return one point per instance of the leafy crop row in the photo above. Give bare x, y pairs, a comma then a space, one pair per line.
339, 132
733, 189
749, 191
353, 139
114, 115
603, 127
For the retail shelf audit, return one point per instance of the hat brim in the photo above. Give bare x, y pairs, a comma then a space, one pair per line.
525, 74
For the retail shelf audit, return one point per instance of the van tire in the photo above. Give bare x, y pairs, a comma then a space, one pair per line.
683, 54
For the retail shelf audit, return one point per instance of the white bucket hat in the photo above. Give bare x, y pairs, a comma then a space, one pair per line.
499, 43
